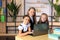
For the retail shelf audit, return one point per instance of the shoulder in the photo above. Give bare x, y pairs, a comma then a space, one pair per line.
21, 24
28, 25
20, 27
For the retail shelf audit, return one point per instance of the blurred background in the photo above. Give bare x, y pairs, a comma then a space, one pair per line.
12, 12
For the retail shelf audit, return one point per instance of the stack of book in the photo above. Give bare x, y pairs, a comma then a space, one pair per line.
55, 35
57, 31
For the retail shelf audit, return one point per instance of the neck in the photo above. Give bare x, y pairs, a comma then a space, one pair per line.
24, 23
30, 15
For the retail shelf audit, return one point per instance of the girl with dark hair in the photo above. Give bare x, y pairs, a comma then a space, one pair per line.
24, 27
32, 14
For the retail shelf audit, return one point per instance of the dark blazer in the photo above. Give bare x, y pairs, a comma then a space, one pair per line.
32, 23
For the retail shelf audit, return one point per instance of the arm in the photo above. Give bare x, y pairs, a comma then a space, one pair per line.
29, 29
23, 34
26, 33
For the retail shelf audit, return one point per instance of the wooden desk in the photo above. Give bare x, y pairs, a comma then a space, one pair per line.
42, 37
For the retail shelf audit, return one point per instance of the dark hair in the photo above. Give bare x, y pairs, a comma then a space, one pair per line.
46, 18
34, 17
26, 16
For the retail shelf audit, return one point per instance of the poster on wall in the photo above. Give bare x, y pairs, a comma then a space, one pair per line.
41, 6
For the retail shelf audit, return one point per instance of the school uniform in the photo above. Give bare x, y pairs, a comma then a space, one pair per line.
23, 27
32, 22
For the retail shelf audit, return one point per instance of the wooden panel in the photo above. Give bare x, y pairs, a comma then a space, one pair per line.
13, 24
17, 24
8, 34
55, 23
3, 3
2, 28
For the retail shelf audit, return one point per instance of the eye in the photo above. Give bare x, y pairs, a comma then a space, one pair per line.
26, 19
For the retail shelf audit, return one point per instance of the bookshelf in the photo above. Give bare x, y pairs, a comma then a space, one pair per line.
2, 17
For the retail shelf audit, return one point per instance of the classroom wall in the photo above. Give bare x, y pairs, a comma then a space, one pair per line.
21, 11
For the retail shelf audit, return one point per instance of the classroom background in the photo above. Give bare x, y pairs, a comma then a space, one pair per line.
10, 21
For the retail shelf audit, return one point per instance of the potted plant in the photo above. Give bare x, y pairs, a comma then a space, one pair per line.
14, 9
57, 9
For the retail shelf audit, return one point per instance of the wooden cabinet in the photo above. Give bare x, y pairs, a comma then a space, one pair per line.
2, 28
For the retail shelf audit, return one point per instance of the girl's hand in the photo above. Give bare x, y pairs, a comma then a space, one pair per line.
30, 32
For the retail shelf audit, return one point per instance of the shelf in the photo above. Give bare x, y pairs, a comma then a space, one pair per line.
55, 23
8, 34
17, 24
12, 24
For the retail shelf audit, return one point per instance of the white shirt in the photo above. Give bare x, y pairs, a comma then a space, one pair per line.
24, 27
31, 18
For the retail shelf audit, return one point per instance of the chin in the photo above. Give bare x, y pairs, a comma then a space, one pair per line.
43, 21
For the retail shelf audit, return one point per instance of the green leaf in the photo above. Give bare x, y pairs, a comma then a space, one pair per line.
18, 6
57, 0
56, 7
51, 3
14, 9
11, 15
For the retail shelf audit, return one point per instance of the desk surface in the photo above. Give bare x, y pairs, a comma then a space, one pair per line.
42, 37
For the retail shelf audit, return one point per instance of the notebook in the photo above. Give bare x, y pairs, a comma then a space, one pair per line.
54, 36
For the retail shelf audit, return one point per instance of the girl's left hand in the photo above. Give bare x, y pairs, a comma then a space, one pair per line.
30, 32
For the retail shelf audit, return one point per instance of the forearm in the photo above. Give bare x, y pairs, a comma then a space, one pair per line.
29, 29
23, 34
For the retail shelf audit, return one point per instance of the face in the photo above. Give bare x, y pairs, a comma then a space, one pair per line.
31, 12
26, 20
43, 18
